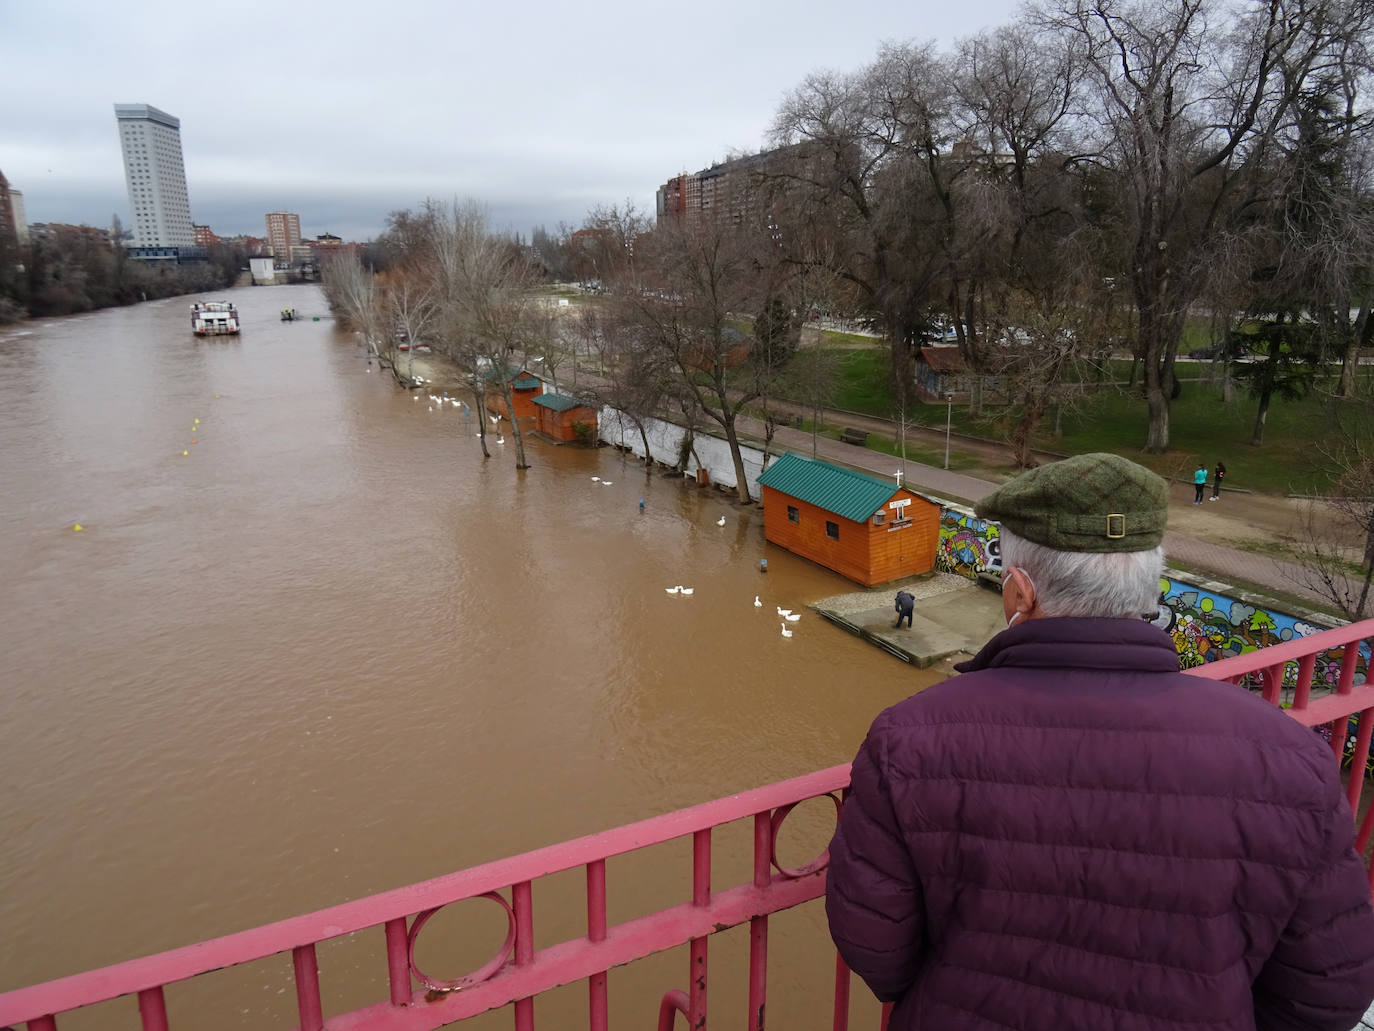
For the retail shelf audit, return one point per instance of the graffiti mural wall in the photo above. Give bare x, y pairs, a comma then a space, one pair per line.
968, 545
1205, 626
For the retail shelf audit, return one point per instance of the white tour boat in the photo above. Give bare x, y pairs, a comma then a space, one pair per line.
214, 318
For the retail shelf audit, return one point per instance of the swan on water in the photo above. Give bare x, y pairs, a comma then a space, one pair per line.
605, 483
501, 439
673, 590
785, 631
720, 521
596, 479
757, 604
792, 617
784, 612
688, 590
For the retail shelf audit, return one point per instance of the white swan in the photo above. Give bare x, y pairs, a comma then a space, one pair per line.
784, 612
673, 590
605, 483
720, 521
785, 631
596, 479
757, 604
501, 439
688, 590
793, 617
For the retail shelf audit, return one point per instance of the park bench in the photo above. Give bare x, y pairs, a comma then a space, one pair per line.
852, 436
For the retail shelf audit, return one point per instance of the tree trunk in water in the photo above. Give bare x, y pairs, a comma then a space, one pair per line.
644, 439
741, 477
520, 462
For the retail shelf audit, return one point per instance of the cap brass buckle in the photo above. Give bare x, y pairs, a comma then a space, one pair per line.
1120, 525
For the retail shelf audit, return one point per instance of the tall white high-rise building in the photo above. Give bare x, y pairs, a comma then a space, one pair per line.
151, 142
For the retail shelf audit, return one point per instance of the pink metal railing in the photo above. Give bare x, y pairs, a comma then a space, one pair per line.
519, 972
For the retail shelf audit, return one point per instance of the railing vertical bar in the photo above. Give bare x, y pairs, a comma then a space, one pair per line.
1362, 835
398, 961
1350, 658
152, 1009
1272, 678
701, 896
1360, 763
522, 901
841, 1018
1306, 665
308, 987
758, 926
1340, 729
596, 931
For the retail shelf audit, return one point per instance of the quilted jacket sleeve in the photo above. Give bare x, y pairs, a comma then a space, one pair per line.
872, 898
1320, 976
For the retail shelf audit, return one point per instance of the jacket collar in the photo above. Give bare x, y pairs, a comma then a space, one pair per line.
1128, 645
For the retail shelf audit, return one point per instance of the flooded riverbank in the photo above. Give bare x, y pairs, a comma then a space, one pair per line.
330, 650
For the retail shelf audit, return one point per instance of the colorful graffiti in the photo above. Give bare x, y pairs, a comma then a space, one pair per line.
1206, 626
968, 545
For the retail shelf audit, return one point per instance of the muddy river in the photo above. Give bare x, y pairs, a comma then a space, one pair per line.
308, 646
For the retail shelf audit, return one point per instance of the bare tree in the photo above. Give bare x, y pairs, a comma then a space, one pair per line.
352, 292
681, 303
1187, 97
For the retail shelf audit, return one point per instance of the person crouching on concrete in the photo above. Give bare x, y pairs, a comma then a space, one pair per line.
1072, 834
906, 604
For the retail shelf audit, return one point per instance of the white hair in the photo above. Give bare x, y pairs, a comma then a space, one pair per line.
1122, 585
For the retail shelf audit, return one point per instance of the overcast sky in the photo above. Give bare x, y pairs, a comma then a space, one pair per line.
344, 111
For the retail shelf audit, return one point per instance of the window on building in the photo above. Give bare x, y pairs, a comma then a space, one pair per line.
792, 516
832, 530
879, 518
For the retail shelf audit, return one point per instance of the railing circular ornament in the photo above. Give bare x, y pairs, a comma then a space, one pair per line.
775, 824
479, 975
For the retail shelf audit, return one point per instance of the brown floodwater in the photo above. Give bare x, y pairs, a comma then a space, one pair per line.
331, 651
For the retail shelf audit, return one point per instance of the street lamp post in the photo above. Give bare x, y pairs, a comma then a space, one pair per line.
949, 413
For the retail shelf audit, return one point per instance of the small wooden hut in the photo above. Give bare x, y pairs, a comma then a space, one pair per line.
866, 529
524, 388
564, 419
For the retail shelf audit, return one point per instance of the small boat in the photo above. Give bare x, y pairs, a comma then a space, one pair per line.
214, 318
289, 315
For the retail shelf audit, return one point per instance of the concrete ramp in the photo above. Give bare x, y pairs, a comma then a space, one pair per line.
953, 617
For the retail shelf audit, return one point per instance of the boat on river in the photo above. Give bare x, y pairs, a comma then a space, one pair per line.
289, 315
214, 318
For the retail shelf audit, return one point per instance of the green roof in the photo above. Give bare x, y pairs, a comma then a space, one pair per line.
517, 376
558, 402
848, 494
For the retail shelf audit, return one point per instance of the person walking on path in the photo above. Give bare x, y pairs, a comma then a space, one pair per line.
1072, 834
1217, 477
906, 604
1199, 481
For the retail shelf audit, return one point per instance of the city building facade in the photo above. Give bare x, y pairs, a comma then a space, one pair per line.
204, 236
150, 140
283, 233
739, 191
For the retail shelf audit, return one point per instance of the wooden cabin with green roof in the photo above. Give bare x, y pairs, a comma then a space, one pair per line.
864, 528
565, 419
524, 388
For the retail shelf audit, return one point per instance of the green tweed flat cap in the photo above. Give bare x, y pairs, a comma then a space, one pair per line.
1097, 503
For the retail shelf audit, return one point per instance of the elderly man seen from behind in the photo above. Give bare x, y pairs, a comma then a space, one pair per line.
1074, 835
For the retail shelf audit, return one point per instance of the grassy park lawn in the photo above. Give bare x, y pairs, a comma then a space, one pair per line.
1202, 426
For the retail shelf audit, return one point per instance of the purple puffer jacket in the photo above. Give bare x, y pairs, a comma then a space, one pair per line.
1075, 835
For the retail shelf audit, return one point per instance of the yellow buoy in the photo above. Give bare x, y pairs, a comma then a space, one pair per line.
186, 452
76, 526
197, 421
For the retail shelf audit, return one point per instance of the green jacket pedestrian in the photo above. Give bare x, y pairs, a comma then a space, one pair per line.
1199, 481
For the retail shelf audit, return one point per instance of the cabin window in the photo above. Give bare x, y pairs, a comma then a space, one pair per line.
832, 530
792, 516
879, 518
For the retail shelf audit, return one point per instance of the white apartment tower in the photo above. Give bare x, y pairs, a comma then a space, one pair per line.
151, 142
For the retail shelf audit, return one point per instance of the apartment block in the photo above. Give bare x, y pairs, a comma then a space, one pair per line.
155, 174
283, 233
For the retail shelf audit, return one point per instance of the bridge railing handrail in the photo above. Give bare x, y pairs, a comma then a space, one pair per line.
505, 981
